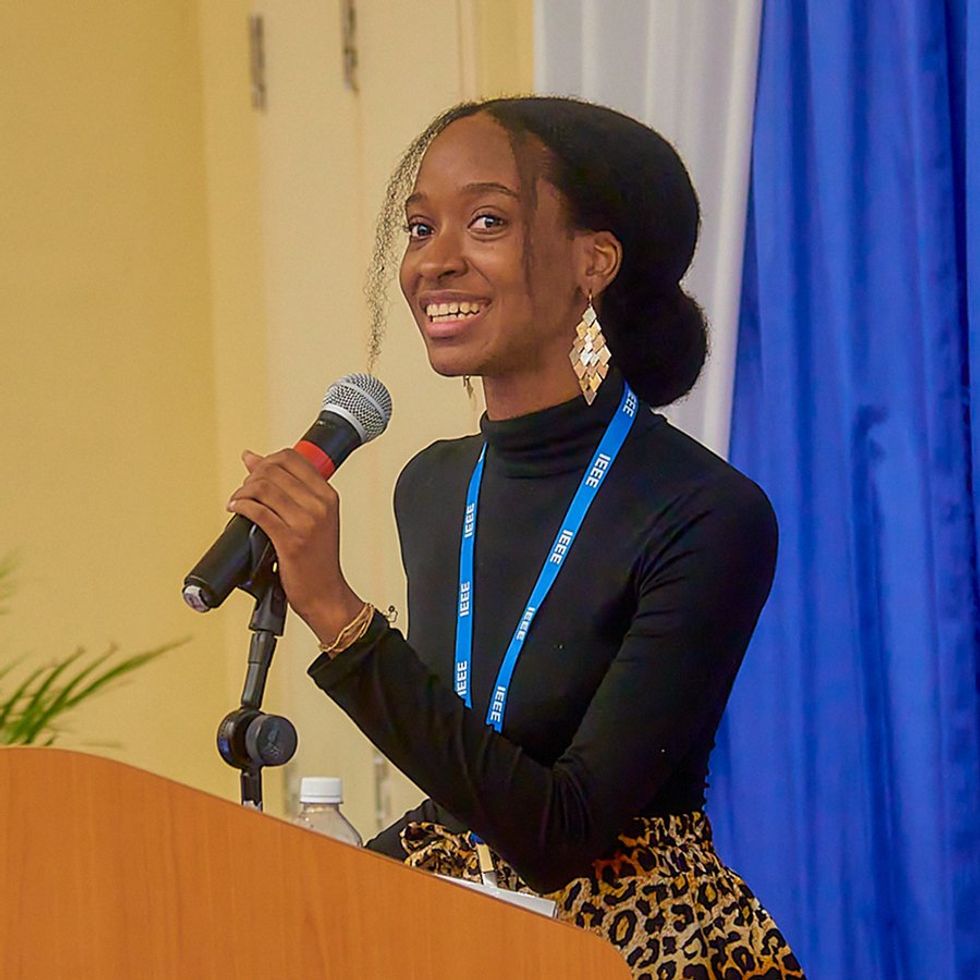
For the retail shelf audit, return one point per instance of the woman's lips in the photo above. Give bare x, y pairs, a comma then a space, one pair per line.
448, 329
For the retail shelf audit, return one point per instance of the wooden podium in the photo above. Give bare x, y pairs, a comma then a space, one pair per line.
110, 872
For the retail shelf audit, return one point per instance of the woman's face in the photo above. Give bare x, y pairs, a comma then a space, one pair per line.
483, 306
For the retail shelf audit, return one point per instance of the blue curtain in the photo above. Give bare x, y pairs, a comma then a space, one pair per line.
846, 785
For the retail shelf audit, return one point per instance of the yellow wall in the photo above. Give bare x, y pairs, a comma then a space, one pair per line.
107, 399
504, 53
180, 277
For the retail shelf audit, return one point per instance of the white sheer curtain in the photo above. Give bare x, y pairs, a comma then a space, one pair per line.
687, 68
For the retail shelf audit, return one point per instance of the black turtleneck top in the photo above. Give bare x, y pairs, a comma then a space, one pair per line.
625, 672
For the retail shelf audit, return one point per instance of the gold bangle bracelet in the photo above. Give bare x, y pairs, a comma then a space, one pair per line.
352, 632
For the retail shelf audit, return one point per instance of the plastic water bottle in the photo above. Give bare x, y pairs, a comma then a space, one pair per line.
319, 809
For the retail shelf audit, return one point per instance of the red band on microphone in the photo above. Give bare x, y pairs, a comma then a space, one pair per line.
312, 452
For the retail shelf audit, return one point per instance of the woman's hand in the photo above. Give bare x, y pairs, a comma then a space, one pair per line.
300, 512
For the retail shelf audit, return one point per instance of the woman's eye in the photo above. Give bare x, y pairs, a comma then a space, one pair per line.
418, 229
488, 222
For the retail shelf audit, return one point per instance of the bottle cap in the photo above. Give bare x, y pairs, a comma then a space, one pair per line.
321, 789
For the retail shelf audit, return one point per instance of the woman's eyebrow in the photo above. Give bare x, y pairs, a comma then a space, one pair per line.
477, 187
490, 185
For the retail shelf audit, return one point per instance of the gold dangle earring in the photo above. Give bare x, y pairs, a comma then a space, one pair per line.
589, 354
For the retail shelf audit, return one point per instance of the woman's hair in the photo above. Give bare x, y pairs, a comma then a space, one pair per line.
616, 175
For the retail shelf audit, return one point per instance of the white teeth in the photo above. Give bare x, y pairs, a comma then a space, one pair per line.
442, 311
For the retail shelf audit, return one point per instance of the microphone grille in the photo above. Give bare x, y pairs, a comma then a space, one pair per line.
364, 399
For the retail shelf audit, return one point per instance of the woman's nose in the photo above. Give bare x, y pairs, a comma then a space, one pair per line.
442, 256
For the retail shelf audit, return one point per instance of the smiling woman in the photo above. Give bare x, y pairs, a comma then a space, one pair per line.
583, 578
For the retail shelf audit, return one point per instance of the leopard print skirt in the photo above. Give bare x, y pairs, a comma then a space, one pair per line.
662, 898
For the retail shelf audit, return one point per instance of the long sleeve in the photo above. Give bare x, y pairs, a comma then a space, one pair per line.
698, 591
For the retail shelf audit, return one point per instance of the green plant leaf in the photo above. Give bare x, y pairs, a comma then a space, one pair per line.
66, 699
7, 707
39, 700
59, 702
32, 711
31, 715
123, 667
65, 692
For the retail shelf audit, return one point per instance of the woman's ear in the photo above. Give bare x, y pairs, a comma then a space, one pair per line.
601, 257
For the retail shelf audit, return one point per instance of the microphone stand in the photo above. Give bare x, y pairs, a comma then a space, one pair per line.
249, 739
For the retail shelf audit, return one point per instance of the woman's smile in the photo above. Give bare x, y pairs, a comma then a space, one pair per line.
450, 315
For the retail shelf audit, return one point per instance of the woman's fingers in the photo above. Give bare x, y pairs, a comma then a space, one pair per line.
265, 517
289, 486
285, 496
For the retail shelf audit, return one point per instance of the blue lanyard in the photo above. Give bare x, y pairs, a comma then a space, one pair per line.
609, 446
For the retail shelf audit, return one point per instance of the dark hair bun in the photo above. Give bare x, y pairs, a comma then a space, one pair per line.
659, 345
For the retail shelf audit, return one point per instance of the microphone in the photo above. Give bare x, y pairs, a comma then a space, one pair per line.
355, 410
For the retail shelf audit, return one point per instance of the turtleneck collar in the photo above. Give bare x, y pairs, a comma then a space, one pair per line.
555, 440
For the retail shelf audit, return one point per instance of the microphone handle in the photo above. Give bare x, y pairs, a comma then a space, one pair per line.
234, 556
227, 564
